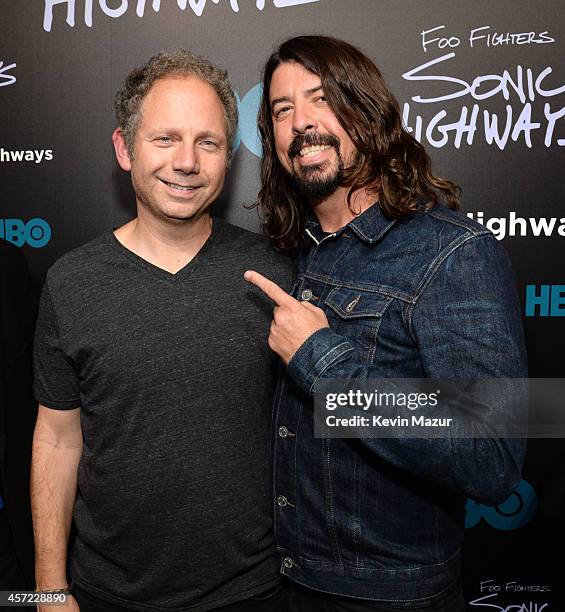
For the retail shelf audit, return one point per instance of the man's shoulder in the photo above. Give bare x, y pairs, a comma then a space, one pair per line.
417, 246
80, 259
447, 233
439, 229
249, 250
458, 222
234, 235
247, 244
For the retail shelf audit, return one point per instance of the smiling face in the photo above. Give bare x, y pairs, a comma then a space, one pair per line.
180, 149
311, 144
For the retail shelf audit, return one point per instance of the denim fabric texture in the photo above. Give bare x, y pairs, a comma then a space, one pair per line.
432, 295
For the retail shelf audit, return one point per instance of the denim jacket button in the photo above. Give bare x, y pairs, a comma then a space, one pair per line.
283, 431
282, 501
306, 295
288, 562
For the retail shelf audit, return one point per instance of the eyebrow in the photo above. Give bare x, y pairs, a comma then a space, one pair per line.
306, 93
212, 134
204, 133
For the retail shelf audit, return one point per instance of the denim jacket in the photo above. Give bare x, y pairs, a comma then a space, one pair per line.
432, 295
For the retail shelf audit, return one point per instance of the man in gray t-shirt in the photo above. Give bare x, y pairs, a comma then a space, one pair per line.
154, 377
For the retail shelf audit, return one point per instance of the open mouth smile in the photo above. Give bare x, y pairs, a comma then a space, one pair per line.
312, 150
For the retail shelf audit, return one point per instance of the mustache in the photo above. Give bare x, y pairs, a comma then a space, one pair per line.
311, 140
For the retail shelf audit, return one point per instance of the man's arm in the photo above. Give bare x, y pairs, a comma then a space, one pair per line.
57, 447
466, 324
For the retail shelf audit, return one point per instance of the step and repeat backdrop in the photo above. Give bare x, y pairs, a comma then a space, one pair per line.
480, 84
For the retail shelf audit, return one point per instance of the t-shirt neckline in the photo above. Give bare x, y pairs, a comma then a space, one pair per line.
200, 257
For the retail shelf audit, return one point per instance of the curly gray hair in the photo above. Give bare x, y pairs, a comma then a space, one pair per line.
128, 100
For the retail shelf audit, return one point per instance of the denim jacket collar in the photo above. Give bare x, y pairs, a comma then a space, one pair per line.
369, 226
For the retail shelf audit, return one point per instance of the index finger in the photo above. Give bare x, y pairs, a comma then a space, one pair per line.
269, 288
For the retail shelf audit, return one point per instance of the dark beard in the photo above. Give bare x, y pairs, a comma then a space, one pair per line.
314, 185
311, 182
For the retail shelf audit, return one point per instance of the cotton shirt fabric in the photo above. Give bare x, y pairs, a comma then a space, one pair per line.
173, 376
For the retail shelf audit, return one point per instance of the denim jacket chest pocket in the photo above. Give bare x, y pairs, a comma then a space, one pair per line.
357, 314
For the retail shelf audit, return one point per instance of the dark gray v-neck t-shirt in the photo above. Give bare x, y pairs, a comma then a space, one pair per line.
174, 378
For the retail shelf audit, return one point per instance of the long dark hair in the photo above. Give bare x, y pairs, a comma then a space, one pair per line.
391, 162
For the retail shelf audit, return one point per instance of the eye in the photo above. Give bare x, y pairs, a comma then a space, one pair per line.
320, 99
164, 139
209, 144
281, 111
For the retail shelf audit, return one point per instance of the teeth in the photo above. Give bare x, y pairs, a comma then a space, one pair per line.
180, 187
313, 150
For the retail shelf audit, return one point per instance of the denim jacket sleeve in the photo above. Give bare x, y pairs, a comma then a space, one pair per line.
466, 323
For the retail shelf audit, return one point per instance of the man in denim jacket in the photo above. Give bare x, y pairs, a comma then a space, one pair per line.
392, 283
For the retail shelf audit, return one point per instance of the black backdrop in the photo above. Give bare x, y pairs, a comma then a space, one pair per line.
481, 85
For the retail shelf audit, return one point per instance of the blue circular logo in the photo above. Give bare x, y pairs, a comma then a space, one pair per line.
516, 511
248, 132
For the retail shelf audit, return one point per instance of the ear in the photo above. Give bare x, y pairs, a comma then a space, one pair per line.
122, 154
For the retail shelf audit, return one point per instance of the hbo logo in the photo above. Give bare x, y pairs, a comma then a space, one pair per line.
36, 232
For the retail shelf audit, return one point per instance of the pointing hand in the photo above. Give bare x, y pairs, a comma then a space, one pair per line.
293, 321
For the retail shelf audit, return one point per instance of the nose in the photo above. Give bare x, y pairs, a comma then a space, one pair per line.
185, 159
303, 120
